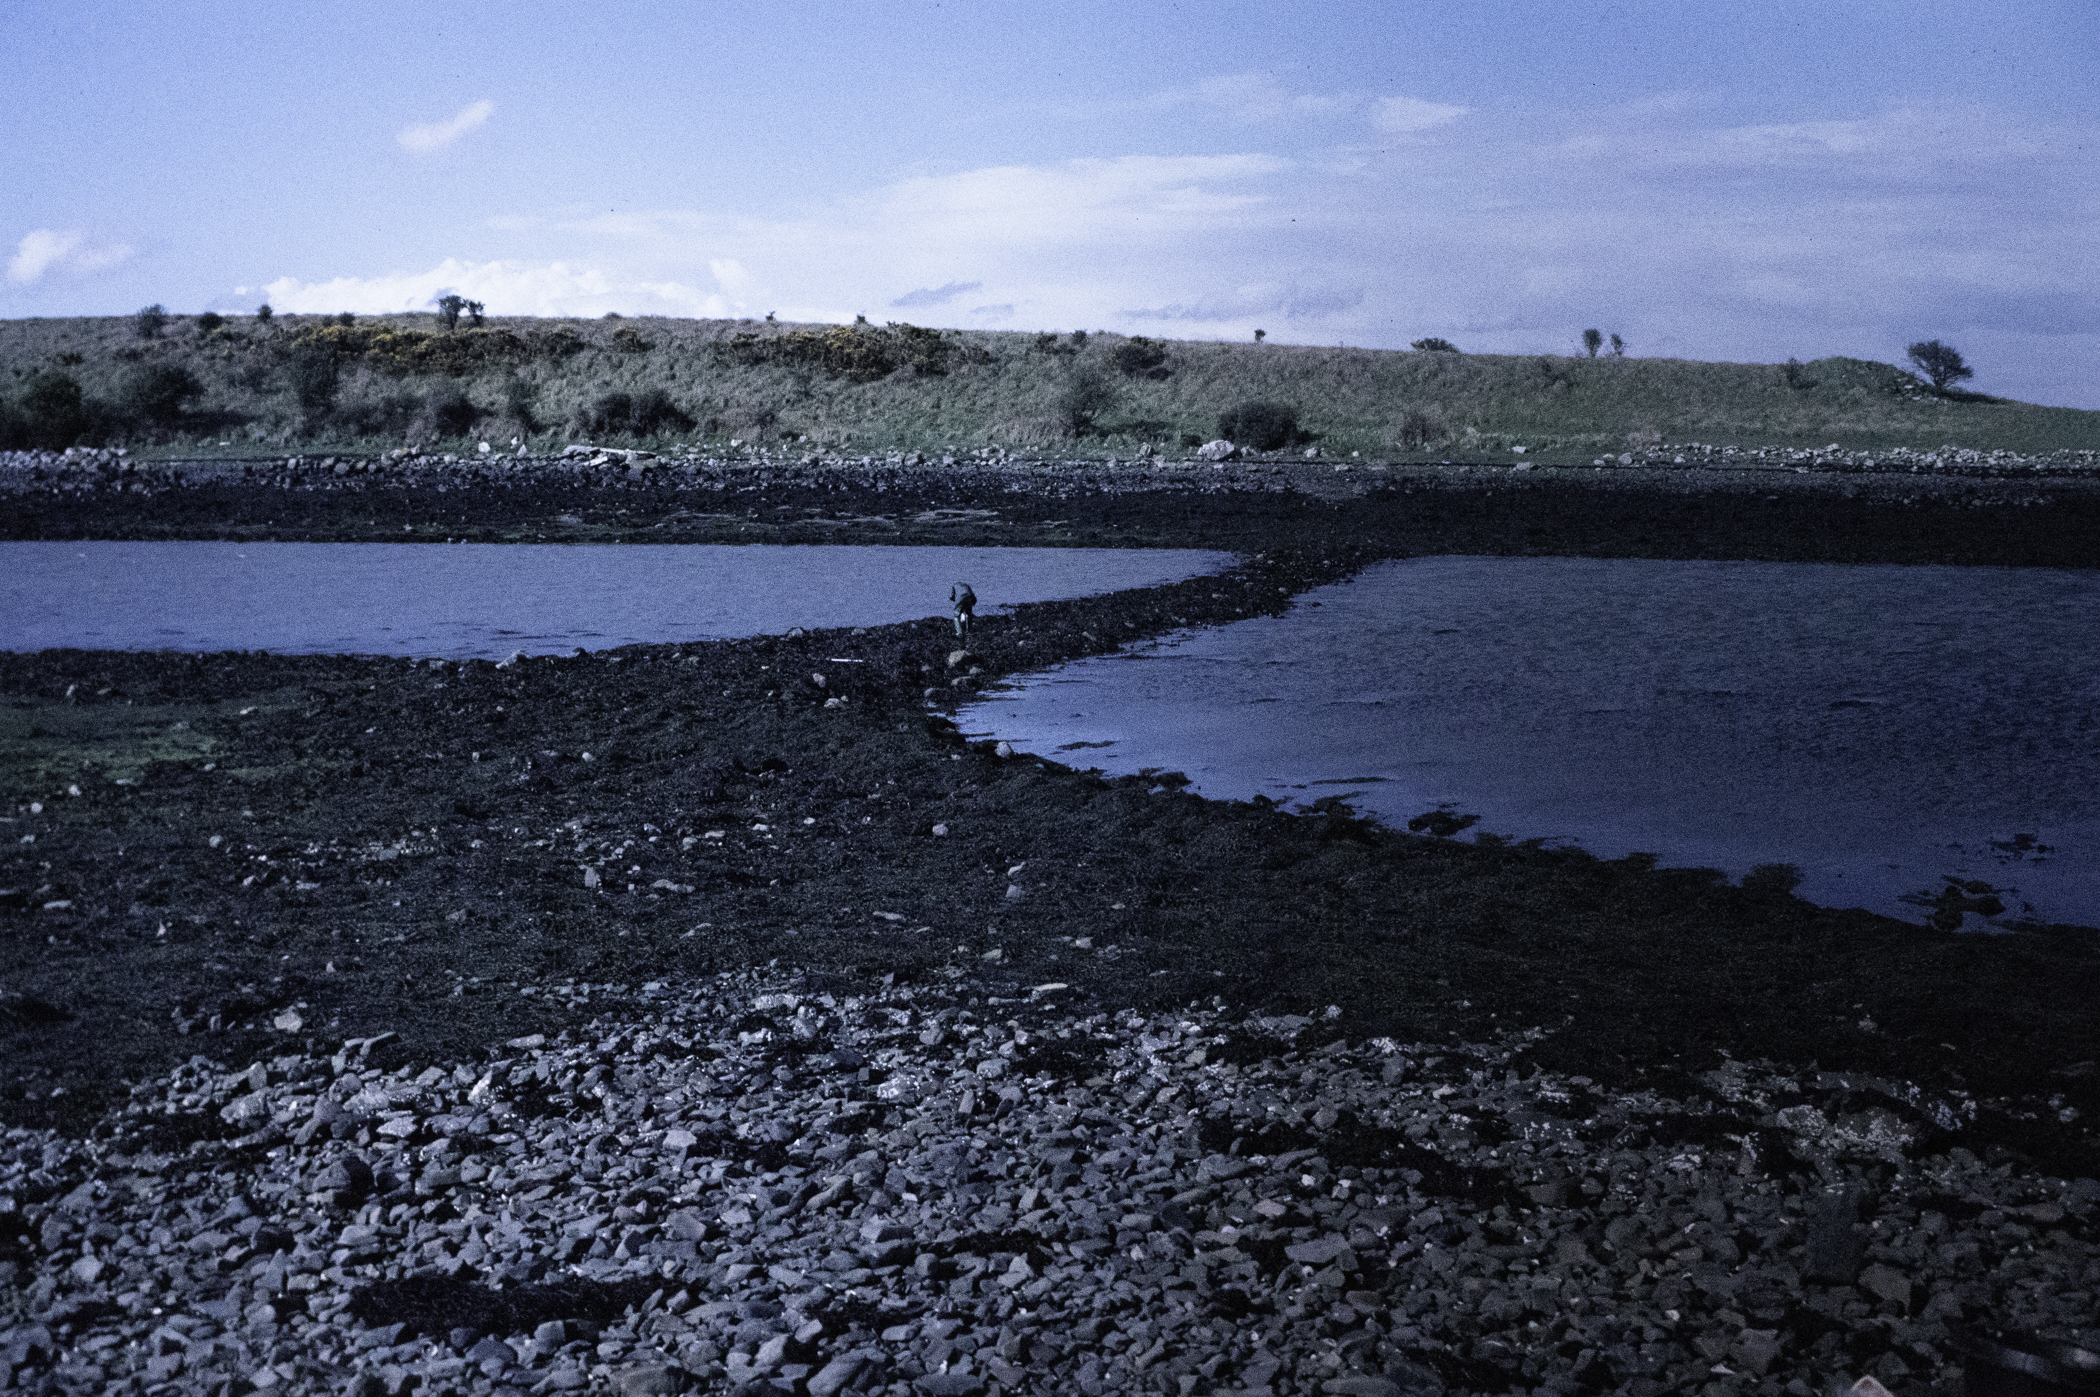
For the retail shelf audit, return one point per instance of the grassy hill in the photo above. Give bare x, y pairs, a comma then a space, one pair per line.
234, 386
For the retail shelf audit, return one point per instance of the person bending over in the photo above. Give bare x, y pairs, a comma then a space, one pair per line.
965, 607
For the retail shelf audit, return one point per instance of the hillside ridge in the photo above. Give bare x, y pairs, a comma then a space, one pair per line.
337, 382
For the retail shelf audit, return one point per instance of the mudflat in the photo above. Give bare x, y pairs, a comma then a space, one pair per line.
269, 853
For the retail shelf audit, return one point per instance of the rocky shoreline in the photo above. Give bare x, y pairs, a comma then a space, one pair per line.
266, 914
961, 1188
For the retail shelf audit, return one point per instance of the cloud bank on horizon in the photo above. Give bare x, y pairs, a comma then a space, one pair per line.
1322, 199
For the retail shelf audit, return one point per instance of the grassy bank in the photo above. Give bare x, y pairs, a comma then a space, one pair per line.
318, 383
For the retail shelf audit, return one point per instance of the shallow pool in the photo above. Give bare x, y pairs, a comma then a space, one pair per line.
1881, 728
493, 600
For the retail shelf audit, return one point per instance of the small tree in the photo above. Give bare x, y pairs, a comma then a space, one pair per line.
1435, 345
314, 377
1618, 346
54, 411
151, 320
1087, 394
1260, 335
1939, 362
1593, 340
452, 305
263, 313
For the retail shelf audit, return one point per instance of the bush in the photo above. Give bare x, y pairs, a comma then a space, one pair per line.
648, 413
210, 321
14, 428
158, 393
446, 412
54, 412
1086, 395
1419, 430
314, 374
263, 313
1259, 426
1433, 345
151, 321
859, 352
1139, 357
1593, 340
518, 395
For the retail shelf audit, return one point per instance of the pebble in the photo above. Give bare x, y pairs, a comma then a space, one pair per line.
958, 1187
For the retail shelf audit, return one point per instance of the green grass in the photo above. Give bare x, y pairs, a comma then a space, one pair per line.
833, 389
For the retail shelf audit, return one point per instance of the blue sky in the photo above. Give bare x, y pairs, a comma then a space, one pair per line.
1748, 181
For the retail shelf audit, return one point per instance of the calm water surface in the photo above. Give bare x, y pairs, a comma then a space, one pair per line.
493, 600
1878, 727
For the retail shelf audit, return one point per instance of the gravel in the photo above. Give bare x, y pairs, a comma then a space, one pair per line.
959, 1187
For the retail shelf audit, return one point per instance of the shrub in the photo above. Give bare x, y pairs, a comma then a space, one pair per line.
518, 395
1942, 363
158, 393
314, 374
378, 414
1618, 346
1139, 357
1050, 343
1086, 395
346, 319
1593, 340
14, 428
210, 321
859, 352
628, 340
1419, 429
263, 312
1259, 426
648, 413
1796, 375
1434, 345
151, 321
54, 412
446, 412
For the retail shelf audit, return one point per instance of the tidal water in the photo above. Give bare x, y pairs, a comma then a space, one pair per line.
1881, 728
493, 600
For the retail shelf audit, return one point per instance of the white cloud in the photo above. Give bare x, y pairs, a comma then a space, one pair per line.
1399, 115
1687, 236
506, 288
936, 295
44, 251
437, 135
1255, 97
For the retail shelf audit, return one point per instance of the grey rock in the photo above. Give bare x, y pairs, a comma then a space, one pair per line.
1216, 450
950, 1385
828, 1380
1836, 1245
350, 1175
649, 1380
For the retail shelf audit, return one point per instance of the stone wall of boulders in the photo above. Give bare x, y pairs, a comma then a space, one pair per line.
960, 1188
